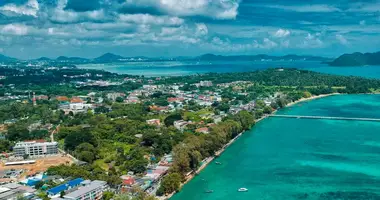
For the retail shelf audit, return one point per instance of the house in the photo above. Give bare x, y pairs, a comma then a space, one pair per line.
53, 192
154, 122
115, 95
181, 124
217, 119
76, 103
203, 130
174, 99
42, 97
12, 191
62, 98
205, 83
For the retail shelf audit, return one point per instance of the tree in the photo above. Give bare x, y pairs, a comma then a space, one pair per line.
119, 99
74, 139
85, 152
245, 118
281, 102
62, 194
137, 166
18, 131
108, 195
259, 104
5, 145
39, 184
170, 183
169, 121
181, 159
267, 110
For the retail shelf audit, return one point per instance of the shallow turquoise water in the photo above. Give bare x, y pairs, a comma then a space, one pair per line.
175, 68
293, 159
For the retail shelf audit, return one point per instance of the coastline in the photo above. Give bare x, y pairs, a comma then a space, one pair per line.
208, 160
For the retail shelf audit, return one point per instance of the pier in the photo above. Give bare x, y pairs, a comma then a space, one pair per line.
325, 117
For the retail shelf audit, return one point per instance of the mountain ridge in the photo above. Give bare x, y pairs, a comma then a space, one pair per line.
357, 59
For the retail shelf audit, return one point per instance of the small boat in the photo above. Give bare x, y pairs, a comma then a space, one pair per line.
242, 190
209, 191
218, 163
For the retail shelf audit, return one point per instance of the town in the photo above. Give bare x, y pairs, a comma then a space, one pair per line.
88, 134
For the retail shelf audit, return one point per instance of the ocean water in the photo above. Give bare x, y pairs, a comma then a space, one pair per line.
294, 159
188, 68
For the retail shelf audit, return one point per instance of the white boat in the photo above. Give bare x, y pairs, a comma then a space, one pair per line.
242, 190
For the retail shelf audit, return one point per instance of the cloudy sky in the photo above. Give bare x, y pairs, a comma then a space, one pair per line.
88, 28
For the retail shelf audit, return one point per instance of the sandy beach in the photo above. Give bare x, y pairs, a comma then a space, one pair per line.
208, 160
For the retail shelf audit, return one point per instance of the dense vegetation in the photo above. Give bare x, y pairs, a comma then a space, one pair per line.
287, 78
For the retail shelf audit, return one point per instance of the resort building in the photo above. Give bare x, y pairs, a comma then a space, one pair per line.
35, 148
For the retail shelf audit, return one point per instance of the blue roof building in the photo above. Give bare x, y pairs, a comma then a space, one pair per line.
70, 184
75, 182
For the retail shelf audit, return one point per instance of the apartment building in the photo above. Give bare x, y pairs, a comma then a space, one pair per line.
35, 148
91, 191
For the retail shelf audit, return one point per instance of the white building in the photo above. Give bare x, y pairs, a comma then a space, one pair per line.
181, 124
91, 191
35, 148
114, 96
205, 83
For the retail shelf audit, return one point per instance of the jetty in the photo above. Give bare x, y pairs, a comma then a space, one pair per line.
327, 117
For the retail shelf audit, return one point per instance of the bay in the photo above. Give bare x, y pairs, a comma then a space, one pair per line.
300, 158
174, 68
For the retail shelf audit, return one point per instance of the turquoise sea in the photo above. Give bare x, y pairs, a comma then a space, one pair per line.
308, 159
175, 68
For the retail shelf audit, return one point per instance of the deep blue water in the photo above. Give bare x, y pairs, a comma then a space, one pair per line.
187, 68
300, 159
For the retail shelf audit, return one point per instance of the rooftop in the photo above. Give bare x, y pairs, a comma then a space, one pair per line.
81, 191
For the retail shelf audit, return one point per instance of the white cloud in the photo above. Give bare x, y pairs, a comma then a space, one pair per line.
281, 33
60, 15
15, 29
201, 29
341, 39
312, 41
30, 8
150, 19
218, 9
307, 8
268, 44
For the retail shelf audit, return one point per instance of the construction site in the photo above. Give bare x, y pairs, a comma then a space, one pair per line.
15, 171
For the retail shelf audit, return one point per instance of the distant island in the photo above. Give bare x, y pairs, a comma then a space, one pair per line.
354, 59
114, 58
260, 57
357, 59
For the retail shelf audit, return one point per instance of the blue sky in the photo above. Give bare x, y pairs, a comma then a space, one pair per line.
89, 28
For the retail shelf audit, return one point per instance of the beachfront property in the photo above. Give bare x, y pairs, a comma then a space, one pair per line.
35, 148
